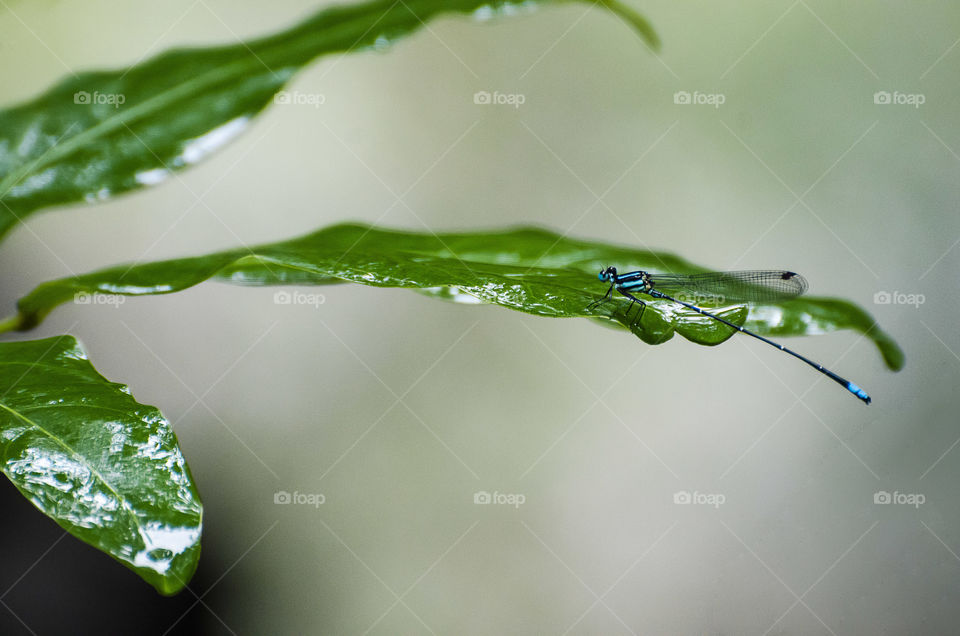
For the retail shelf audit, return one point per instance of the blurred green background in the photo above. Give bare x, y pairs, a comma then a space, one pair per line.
398, 409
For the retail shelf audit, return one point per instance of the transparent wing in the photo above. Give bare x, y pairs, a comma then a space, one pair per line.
720, 287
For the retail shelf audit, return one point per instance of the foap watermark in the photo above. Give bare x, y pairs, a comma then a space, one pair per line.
696, 98
300, 99
701, 299
915, 499
299, 298
97, 298
896, 98
284, 498
898, 298
484, 498
688, 498
96, 97
496, 98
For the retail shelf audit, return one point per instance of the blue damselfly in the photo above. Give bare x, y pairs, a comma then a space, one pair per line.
747, 286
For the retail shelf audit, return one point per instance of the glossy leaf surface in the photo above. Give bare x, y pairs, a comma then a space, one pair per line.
527, 269
98, 134
103, 466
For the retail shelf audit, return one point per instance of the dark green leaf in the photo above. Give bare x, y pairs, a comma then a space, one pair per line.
529, 270
103, 466
98, 134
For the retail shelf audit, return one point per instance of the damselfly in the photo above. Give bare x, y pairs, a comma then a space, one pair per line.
748, 286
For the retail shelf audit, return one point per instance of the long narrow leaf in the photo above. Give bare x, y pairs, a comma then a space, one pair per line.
102, 133
530, 270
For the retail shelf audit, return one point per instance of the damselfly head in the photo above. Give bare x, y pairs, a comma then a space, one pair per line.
608, 273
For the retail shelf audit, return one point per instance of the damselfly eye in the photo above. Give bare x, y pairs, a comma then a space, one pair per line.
603, 274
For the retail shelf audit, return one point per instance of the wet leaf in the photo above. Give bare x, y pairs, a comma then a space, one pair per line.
100, 464
102, 133
527, 269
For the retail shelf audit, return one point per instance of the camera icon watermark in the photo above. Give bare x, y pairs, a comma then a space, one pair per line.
97, 298
284, 498
883, 498
696, 498
484, 498
84, 98
284, 297
696, 98
297, 98
496, 98
896, 98
898, 298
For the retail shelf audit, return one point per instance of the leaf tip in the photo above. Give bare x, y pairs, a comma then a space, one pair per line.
639, 23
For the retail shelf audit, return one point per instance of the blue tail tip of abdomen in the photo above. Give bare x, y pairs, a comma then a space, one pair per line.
860, 393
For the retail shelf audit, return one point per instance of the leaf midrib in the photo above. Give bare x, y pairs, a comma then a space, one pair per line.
166, 99
76, 454
113, 123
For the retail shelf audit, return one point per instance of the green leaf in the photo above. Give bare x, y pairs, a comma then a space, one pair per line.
99, 134
100, 464
811, 316
530, 270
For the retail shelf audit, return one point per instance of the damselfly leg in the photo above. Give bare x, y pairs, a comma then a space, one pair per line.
634, 300
605, 298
